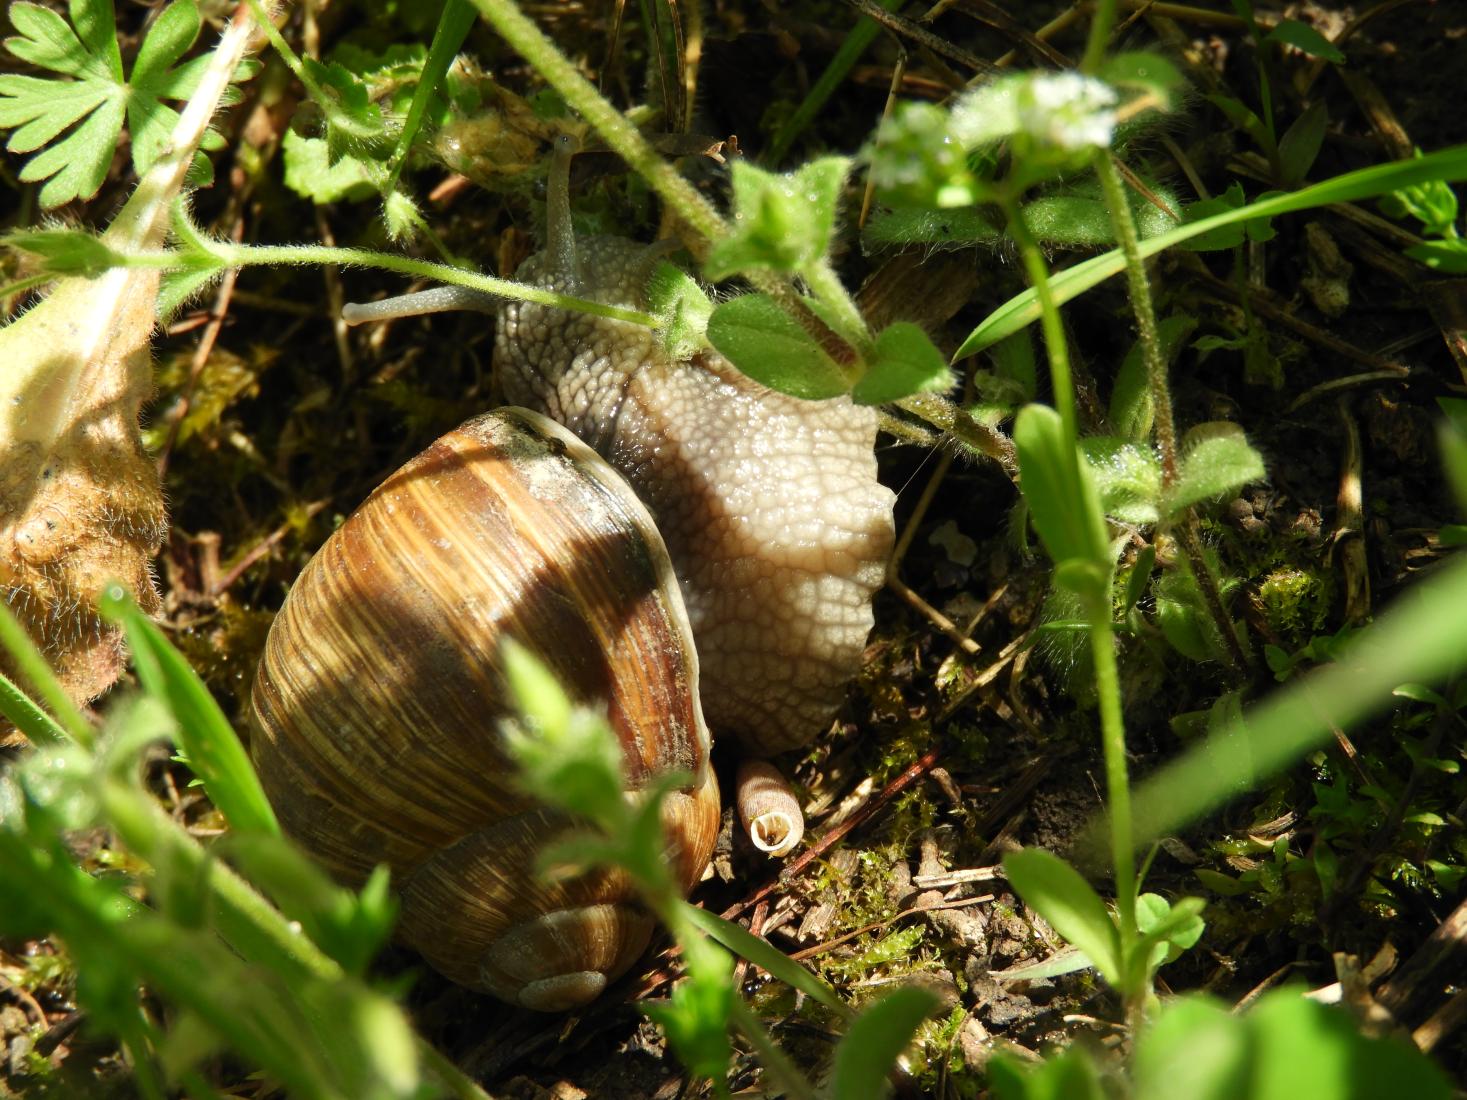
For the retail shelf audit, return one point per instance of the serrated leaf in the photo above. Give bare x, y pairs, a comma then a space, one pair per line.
311, 173
94, 98
767, 344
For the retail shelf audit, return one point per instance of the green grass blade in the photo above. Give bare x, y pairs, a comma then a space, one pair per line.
856, 43
1413, 640
29, 662
453, 27
876, 1040
1023, 309
761, 953
205, 735
38, 726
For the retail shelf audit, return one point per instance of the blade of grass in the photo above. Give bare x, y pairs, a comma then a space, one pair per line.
1018, 312
208, 740
1413, 640
29, 662
763, 954
38, 726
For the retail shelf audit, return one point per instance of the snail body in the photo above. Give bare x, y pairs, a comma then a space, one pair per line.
378, 703
770, 507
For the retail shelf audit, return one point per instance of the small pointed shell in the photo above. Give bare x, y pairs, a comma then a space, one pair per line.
378, 701
768, 808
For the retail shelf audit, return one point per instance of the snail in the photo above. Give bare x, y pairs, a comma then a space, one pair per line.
749, 525
378, 703
778, 529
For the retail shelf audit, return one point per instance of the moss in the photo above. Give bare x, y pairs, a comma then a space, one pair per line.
1296, 602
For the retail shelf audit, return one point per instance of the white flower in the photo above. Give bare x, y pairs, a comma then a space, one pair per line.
1067, 110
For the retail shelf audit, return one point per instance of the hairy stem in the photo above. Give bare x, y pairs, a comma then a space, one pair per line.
244, 255
528, 41
1139, 289
1138, 286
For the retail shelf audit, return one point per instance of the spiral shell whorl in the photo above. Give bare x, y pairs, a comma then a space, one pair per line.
378, 702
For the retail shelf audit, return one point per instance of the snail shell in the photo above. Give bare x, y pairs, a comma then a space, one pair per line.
379, 701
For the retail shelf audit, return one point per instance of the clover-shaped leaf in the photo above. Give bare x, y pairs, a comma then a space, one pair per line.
91, 104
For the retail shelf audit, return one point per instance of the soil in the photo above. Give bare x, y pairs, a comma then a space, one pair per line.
305, 420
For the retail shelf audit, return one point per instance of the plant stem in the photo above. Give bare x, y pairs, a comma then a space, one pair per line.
1139, 289
950, 418
1117, 780
1101, 21
825, 284
1049, 317
245, 255
528, 41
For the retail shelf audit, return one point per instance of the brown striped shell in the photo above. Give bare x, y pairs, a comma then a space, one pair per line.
378, 703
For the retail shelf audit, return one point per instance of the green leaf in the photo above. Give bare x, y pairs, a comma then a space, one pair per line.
1060, 490
1071, 1075
455, 22
213, 749
876, 1039
94, 99
18, 708
770, 346
1216, 460
684, 307
695, 1019
906, 363
312, 174
567, 755
1431, 202
1197, 1049
1420, 693
781, 222
763, 954
1072, 907
1144, 71
1131, 411
26, 658
1242, 116
1448, 257
1139, 577
66, 251
1306, 39
1127, 476
1069, 960
350, 928
1167, 930
1023, 309
938, 229
1302, 141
